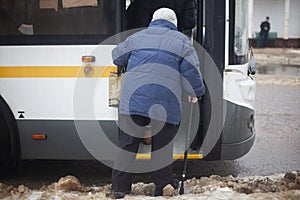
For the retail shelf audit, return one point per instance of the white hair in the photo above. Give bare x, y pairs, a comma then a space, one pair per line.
166, 14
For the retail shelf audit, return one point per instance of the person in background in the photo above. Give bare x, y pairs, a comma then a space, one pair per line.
264, 32
154, 57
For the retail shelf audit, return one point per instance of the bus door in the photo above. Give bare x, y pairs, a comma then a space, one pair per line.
211, 43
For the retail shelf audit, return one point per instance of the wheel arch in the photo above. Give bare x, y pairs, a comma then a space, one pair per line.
12, 130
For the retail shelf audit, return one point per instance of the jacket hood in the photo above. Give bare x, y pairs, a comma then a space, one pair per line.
161, 23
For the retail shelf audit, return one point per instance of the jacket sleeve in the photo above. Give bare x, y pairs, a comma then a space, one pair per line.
121, 54
192, 81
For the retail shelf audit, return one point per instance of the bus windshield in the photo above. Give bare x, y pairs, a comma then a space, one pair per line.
58, 21
240, 31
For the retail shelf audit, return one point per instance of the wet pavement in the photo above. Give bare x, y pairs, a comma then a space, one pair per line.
279, 70
277, 145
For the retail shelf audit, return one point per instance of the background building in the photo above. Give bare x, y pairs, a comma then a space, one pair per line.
284, 18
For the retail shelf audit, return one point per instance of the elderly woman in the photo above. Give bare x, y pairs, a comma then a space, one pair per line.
160, 62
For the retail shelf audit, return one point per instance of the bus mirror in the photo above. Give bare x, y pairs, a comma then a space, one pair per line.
252, 65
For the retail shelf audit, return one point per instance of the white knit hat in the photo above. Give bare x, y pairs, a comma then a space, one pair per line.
166, 14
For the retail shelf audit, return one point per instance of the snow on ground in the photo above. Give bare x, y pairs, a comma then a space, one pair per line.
278, 186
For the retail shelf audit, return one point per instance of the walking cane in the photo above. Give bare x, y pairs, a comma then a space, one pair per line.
181, 190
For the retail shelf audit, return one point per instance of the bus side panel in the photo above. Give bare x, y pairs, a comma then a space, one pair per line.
39, 84
63, 141
41, 81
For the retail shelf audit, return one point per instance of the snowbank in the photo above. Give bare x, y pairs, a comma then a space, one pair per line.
279, 186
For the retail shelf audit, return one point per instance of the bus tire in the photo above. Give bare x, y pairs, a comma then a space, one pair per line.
9, 139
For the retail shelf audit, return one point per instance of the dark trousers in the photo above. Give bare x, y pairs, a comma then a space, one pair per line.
122, 177
263, 40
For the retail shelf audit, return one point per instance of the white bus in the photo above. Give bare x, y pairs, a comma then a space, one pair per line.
47, 46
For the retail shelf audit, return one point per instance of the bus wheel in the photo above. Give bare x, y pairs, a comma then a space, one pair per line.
5, 154
9, 139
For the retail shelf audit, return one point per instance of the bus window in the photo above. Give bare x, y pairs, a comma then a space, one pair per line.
7, 22
58, 21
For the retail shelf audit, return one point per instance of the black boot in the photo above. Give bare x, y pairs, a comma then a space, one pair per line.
119, 195
175, 184
159, 191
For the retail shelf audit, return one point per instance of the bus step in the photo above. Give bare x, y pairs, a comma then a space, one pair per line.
190, 156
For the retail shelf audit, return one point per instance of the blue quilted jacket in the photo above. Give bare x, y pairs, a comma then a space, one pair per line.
160, 63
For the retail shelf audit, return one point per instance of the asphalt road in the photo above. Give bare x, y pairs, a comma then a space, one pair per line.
276, 149
277, 145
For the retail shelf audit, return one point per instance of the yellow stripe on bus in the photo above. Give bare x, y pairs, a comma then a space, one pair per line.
147, 156
53, 71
